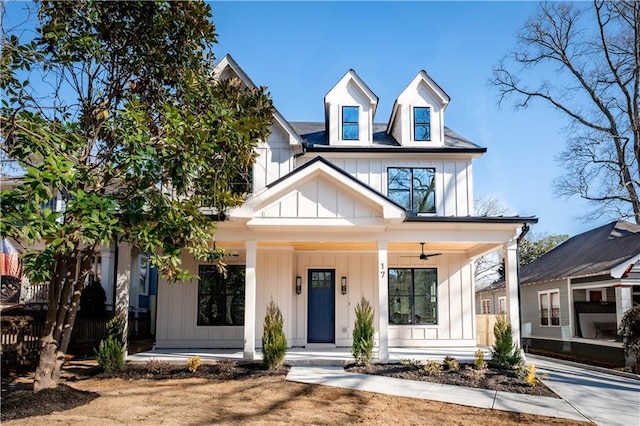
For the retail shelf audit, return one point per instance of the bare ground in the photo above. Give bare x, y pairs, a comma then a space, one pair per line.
236, 394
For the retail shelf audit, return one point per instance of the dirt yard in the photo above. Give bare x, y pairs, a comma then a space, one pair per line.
236, 396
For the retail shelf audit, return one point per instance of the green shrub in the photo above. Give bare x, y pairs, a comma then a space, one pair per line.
274, 341
362, 347
478, 360
110, 353
504, 352
432, 368
451, 364
630, 333
414, 364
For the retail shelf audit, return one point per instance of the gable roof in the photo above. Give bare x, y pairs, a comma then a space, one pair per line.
315, 134
609, 249
353, 76
228, 62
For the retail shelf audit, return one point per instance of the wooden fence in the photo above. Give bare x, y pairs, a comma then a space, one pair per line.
484, 329
20, 338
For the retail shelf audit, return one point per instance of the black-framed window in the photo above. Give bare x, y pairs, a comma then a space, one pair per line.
350, 127
422, 123
413, 296
220, 295
413, 188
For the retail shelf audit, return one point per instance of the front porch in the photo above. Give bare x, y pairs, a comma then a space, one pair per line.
307, 356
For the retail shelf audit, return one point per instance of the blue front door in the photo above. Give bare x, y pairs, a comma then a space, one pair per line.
322, 295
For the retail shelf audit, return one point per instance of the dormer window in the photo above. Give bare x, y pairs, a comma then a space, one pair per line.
350, 124
422, 123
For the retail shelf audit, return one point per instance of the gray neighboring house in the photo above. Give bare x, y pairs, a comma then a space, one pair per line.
572, 299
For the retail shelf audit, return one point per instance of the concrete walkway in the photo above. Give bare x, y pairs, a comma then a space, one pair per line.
587, 395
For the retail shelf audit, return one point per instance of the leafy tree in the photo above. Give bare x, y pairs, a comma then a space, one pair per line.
584, 62
533, 246
114, 106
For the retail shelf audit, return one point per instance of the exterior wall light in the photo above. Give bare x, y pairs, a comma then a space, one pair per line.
343, 285
298, 285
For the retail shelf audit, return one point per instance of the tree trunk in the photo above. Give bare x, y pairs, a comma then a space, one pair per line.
49, 366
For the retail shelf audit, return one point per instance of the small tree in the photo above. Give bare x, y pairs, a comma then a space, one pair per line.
504, 352
274, 341
362, 348
630, 333
110, 353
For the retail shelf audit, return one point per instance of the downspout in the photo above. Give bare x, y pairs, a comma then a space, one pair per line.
525, 230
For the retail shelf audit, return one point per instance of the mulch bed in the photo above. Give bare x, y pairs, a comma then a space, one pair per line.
20, 402
489, 378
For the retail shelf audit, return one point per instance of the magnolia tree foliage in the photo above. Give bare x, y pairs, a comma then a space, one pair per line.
583, 59
113, 105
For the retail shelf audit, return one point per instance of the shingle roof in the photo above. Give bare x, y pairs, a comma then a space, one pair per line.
590, 253
315, 134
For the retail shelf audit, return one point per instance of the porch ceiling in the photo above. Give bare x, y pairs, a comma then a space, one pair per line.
411, 247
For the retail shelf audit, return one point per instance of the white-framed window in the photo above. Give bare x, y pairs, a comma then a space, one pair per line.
549, 305
502, 305
350, 123
486, 306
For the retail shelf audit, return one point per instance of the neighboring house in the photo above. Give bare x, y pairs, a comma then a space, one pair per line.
337, 211
573, 297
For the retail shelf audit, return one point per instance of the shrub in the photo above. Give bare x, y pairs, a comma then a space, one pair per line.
193, 363
504, 352
432, 368
362, 347
478, 360
532, 378
629, 331
274, 341
451, 364
110, 353
414, 364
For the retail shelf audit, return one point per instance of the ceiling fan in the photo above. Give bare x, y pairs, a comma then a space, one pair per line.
424, 256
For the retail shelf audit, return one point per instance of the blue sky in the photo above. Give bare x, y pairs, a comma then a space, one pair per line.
299, 50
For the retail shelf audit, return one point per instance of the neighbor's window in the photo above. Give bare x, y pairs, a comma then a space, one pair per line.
486, 306
549, 307
502, 305
350, 128
413, 188
220, 296
422, 123
413, 296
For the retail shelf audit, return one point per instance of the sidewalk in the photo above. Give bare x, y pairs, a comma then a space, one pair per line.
587, 395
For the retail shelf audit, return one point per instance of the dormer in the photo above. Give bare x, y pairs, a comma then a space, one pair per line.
349, 109
417, 118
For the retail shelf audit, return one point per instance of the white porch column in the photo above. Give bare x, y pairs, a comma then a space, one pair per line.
624, 301
250, 302
107, 276
511, 279
383, 302
123, 278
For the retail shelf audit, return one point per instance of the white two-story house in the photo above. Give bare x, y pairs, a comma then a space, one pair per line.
338, 211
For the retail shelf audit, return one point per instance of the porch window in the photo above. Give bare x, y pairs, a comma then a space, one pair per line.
486, 306
350, 124
422, 123
413, 296
221, 295
413, 188
549, 302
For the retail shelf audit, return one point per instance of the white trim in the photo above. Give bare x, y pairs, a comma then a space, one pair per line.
619, 270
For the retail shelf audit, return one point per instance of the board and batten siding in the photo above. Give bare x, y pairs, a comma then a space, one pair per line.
454, 189
530, 313
274, 159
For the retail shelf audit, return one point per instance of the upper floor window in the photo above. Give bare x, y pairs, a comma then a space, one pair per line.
422, 123
413, 188
350, 127
413, 296
221, 296
549, 302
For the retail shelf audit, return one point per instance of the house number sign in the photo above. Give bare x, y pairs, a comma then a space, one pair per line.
382, 270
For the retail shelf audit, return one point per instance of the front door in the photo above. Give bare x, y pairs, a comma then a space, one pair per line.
321, 315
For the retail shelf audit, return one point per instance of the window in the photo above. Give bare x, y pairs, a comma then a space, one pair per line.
413, 296
413, 188
502, 305
350, 128
549, 307
143, 260
220, 296
422, 123
486, 306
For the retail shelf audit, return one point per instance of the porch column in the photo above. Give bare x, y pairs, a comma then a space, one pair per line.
250, 302
383, 302
123, 280
624, 302
512, 281
107, 273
